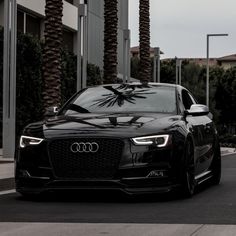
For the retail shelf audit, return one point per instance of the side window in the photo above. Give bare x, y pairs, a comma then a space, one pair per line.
187, 99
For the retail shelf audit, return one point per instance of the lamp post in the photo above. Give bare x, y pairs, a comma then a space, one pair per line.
207, 72
156, 65
82, 47
126, 55
178, 71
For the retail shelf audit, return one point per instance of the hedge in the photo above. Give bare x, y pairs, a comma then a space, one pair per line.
29, 103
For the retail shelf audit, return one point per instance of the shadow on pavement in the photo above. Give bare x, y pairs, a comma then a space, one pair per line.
111, 196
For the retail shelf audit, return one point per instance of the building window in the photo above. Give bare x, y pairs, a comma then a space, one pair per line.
33, 26
20, 21
29, 24
68, 40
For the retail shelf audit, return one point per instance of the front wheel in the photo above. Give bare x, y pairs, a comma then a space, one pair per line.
216, 166
188, 179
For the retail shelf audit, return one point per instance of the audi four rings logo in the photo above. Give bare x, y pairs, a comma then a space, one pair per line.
84, 147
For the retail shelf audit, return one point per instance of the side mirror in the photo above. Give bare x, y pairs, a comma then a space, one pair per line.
197, 110
50, 112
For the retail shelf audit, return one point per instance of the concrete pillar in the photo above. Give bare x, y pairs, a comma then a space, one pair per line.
9, 78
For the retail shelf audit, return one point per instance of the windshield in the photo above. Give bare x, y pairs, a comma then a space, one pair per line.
125, 98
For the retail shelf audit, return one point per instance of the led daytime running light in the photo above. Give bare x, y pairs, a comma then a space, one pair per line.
149, 140
27, 140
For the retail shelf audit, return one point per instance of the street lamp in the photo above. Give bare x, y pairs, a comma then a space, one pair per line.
207, 72
82, 47
157, 65
126, 55
178, 70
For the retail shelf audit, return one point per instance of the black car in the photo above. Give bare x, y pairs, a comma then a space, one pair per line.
136, 138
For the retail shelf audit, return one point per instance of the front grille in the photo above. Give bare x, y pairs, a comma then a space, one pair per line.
100, 165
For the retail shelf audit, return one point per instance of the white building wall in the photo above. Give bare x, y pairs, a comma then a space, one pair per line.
95, 24
123, 24
96, 31
1, 12
38, 7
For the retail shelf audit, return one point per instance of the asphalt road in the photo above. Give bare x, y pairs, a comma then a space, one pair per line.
210, 205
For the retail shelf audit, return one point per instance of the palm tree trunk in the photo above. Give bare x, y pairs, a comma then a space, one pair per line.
144, 41
110, 41
52, 53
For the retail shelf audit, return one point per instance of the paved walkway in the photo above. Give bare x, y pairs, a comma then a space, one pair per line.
227, 151
6, 170
6, 173
6, 167
86, 229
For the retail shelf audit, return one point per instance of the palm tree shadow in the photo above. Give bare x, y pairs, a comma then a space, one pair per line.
123, 93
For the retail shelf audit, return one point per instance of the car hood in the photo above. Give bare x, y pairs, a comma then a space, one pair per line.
115, 125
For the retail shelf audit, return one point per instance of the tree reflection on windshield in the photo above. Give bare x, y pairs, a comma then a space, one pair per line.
123, 93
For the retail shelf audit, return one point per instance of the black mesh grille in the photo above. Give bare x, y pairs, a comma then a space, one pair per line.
100, 165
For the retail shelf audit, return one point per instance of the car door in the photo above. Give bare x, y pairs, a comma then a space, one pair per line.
209, 134
201, 129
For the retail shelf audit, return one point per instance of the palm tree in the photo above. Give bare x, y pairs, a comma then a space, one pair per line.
144, 41
110, 41
52, 53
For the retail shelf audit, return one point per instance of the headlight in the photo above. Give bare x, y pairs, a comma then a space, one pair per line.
158, 140
27, 141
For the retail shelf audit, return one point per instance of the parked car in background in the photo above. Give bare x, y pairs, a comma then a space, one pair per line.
136, 138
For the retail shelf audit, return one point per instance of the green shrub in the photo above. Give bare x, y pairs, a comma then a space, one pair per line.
28, 81
69, 70
94, 75
29, 103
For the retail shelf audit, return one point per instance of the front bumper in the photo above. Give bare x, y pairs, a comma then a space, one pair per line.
131, 186
35, 172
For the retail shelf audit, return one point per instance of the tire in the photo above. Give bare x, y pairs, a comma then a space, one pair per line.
216, 166
188, 179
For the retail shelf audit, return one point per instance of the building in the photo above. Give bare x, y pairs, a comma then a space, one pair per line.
30, 17
197, 61
201, 61
96, 27
134, 51
227, 61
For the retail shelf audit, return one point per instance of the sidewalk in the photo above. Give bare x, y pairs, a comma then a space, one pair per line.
7, 169
6, 173
227, 151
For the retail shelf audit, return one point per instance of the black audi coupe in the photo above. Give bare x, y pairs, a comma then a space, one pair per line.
136, 138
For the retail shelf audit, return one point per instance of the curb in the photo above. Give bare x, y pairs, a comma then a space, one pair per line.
6, 160
227, 154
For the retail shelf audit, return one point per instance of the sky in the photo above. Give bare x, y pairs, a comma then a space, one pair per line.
179, 27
